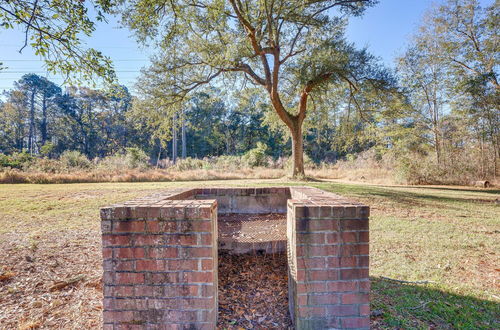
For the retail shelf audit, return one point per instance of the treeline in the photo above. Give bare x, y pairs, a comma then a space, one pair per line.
442, 127
39, 118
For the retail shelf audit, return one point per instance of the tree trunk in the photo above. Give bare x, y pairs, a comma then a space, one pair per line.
174, 141
31, 134
183, 136
43, 125
297, 149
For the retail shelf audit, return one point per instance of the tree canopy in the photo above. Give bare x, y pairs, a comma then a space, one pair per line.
294, 50
54, 29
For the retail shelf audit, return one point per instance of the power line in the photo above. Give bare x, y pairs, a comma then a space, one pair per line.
41, 60
16, 72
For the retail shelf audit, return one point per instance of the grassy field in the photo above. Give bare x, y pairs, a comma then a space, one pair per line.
443, 241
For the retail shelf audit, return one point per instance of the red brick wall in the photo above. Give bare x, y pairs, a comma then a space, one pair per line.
160, 261
328, 261
160, 264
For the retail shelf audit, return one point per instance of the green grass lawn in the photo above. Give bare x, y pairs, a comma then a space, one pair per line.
446, 236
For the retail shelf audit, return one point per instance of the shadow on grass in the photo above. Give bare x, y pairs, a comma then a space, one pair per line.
398, 305
397, 196
485, 191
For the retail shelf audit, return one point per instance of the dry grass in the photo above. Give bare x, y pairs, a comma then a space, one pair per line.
378, 176
154, 175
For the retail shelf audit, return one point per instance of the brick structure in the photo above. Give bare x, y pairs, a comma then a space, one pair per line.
328, 261
160, 257
160, 263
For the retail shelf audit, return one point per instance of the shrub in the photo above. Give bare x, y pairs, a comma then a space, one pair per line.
17, 160
189, 163
227, 162
72, 159
47, 149
256, 156
46, 165
136, 158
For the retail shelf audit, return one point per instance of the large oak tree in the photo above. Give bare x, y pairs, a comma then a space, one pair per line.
293, 50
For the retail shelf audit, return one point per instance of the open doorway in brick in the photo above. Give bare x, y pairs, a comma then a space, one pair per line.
253, 271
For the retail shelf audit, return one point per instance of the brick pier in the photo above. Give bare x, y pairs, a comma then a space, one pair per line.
160, 257
328, 261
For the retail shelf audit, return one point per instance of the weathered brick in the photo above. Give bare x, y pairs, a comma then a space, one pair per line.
166, 252
150, 265
332, 262
107, 253
123, 265
195, 252
340, 286
355, 322
118, 316
128, 226
355, 298
332, 238
118, 291
316, 251
363, 261
115, 240
129, 253
181, 291
343, 310
182, 264
198, 277
324, 299
311, 238
322, 275
349, 237
349, 250
163, 278
311, 263
364, 236
129, 278
364, 310
353, 273
364, 286
207, 264
303, 288
348, 262
311, 312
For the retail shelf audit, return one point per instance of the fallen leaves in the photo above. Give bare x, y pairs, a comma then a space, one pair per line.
56, 286
6, 275
253, 291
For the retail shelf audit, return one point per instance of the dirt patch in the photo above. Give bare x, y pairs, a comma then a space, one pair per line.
253, 291
52, 281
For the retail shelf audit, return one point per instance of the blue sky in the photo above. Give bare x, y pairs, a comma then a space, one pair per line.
384, 29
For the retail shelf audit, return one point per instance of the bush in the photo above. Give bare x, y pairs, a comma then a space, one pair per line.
189, 163
46, 165
75, 160
47, 149
256, 156
136, 158
230, 163
17, 160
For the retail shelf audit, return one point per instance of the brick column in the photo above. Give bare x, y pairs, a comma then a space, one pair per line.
328, 262
160, 264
